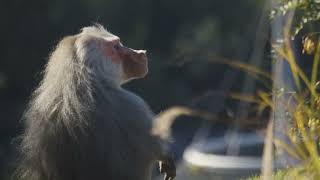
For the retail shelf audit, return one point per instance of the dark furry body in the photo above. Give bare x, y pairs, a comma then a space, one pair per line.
101, 148
81, 127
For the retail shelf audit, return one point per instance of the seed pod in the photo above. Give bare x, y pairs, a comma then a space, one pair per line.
310, 42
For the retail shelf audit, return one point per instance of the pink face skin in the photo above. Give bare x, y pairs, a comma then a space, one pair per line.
118, 53
134, 62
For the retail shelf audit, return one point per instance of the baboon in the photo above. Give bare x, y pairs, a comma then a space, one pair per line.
82, 125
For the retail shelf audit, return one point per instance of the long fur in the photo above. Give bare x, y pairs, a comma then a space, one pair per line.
81, 124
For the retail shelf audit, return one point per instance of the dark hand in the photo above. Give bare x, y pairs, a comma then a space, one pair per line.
168, 168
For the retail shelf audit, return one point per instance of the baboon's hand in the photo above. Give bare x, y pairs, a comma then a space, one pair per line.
167, 168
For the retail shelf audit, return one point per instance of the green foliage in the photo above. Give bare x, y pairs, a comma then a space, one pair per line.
303, 115
306, 11
279, 175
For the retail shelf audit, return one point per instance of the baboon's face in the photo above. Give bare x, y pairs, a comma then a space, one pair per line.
134, 62
122, 62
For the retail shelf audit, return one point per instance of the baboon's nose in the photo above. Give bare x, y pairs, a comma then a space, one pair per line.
135, 55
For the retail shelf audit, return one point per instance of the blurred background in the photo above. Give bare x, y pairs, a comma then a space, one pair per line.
184, 38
